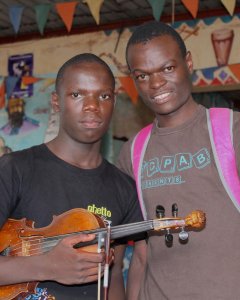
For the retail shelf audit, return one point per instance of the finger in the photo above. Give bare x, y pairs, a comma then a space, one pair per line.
90, 274
73, 240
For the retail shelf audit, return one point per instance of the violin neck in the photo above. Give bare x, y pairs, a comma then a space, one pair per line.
129, 229
118, 231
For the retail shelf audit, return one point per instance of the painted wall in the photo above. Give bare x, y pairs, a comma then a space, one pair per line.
50, 54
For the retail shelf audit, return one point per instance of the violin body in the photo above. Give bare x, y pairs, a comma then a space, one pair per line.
20, 238
22, 233
9, 235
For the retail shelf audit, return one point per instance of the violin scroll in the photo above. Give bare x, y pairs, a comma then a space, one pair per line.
196, 219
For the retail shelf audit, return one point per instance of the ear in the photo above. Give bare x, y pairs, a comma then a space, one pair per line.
189, 62
55, 102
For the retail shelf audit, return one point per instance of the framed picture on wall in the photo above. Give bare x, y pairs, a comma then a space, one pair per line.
19, 66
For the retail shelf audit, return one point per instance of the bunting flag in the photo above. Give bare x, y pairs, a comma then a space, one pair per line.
42, 11
26, 80
11, 82
95, 7
47, 83
66, 11
230, 5
157, 8
129, 87
2, 93
15, 14
191, 6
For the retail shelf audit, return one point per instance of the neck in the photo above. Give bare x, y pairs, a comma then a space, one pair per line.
178, 117
84, 156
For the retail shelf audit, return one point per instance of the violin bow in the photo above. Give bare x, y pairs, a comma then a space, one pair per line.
107, 260
106, 241
100, 240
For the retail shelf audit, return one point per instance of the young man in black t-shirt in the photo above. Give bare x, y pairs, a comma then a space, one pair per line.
66, 173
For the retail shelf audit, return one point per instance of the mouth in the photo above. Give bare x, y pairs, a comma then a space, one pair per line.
91, 124
160, 98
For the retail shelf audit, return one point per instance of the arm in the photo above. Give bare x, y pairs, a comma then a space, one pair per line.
116, 288
136, 269
63, 264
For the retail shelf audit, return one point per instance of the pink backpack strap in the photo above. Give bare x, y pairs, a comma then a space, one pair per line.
220, 122
138, 149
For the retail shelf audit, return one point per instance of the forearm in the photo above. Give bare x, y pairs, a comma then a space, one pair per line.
62, 264
116, 288
136, 271
134, 284
24, 269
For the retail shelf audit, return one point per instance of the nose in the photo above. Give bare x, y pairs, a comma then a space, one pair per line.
157, 80
90, 104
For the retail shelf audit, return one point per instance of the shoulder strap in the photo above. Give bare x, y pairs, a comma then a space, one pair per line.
220, 122
138, 149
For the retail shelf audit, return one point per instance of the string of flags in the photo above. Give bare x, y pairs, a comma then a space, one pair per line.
66, 11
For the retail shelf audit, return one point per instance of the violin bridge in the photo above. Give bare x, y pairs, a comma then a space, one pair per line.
26, 245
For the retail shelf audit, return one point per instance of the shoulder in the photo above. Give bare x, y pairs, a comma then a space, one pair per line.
124, 158
124, 161
21, 157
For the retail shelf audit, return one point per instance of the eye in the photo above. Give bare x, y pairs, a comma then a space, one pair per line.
141, 77
169, 69
104, 97
76, 95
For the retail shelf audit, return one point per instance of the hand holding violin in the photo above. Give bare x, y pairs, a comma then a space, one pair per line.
73, 266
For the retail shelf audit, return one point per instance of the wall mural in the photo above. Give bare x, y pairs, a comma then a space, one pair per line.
25, 114
24, 121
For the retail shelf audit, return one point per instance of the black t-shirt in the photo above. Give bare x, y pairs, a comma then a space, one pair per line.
35, 184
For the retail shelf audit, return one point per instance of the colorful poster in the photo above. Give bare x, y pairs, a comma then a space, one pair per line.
19, 66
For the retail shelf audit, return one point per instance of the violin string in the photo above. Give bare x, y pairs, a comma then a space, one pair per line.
116, 229
50, 239
46, 243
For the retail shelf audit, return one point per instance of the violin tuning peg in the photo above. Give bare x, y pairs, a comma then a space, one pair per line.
168, 238
160, 211
183, 235
174, 210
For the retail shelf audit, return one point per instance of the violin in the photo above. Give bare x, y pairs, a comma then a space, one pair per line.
20, 238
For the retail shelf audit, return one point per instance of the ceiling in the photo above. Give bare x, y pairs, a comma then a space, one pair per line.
113, 14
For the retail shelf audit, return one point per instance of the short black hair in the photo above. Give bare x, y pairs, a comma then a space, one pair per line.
81, 58
152, 29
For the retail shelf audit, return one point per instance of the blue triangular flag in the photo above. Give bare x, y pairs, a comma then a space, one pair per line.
11, 82
15, 14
